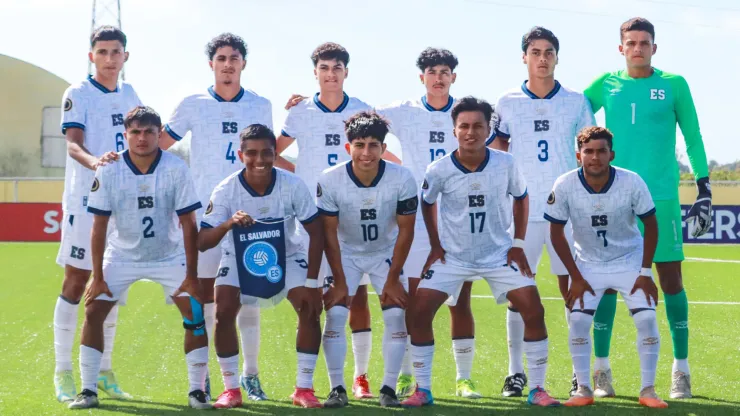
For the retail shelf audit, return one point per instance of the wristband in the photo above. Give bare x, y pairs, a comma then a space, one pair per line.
703, 187
312, 283
518, 243
646, 271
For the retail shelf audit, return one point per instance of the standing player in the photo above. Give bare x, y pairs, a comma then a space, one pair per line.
642, 105
369, 209
602, 203
143, 194
538, 123
92, 122
265, 200
317, 125
474, 183
214, 119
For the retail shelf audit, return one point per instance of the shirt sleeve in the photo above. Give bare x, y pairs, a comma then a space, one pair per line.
502, 124
186, 200
594, 92
303, 203
98, 200
432, 185
326, 201
517, 185
180, 122
642, 203
557, 210
268, 115
586, 118
408, 198
74, 110
688, 121
290, 124
389, 113
218, 210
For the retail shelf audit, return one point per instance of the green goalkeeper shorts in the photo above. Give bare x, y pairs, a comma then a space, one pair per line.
670, 231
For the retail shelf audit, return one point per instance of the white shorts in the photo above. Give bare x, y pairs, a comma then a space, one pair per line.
74, 249
620, 281
538, 235
208, 262
449, 278
374, 269
418, 254
119, 277
296, 267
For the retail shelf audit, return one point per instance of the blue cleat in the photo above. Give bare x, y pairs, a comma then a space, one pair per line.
253, 388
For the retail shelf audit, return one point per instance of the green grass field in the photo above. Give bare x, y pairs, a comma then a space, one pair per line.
150, 364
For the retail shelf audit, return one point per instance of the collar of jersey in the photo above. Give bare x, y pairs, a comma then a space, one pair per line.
444, 109
100, 86
533, 96
612, 174
130, 164
325, 109
351, 173
463, 169
220, 99
251, 191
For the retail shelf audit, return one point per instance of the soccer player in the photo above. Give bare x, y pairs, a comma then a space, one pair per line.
143, 194
473, 183
214, 119
602, 203
369, 209
642, 104
538, 123
263, 259
92, 122
316, 124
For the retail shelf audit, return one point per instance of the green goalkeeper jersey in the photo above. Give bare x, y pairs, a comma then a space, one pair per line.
642, 114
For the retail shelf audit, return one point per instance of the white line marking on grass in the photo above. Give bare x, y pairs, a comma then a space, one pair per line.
699, 259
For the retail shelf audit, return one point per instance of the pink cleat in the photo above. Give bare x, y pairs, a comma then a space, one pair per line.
539, 397
421, 397
305, 398
229, 399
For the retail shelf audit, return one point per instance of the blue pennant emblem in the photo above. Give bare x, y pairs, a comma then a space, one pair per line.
260, 253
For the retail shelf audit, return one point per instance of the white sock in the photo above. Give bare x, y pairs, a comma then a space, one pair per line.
648, 345
406, 369
89, 367
306, 366
362, 345
248, 322
422, 356
536, 362
601, 364
579, 335
334, 342
464, 351
394, 344
197, 361
230, 371
515, 336
681, 365
109, 336
209, 315
65, 328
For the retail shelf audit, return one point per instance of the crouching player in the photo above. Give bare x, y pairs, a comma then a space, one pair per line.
603, 201
474, 183
369, 210
263, 259
142, 194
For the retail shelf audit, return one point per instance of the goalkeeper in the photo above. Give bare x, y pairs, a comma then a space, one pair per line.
642, 105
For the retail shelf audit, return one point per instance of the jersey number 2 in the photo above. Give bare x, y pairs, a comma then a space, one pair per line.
149, 222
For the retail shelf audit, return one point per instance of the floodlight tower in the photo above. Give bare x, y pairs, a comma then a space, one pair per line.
106, 12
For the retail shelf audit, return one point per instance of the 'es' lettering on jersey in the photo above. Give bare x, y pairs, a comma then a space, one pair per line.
117, 119
368, 214
229, 127
599, 220
656, 94
332, 139
476, 201
436, 137
541, 125
146, 202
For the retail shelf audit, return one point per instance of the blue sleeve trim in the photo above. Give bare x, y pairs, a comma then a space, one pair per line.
99, 211
647, 214
555, 220
65, 126
329, 213
172, 133
204, 224
491, 139
285, 133
502, 134
189, 209
522, 196
310, 219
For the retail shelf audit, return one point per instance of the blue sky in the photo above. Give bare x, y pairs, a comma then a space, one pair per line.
384, 37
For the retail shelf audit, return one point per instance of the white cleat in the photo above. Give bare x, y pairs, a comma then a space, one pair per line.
681, 386
603, 384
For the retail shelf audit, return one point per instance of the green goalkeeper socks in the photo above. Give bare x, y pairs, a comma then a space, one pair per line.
603, 324
677, 309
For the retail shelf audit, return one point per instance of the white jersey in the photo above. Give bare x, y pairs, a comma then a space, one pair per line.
286, 197
475, 210
542, 136
604, 223
319, 133
215, 124
99, 112
143, 208
367, 214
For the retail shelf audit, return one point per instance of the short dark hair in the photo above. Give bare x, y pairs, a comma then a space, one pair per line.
637, 23
539, 32
431, 57
143, 116
257, 132
366, 124
471, 103
328, 51
107, 32
226, 39
594, 133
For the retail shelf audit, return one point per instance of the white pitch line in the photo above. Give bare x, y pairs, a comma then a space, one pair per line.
699, 259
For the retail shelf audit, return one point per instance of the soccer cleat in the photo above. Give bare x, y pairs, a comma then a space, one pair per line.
197, 399
681, 386
107, 382
64, 385
229, 399
305, 398
603, 384
465, 388
573, 385
87, 399
405, 385
388, 398
513, 385
361, 387
582, 397
251, 385
649, 398
421, 397
539, 397
337, 398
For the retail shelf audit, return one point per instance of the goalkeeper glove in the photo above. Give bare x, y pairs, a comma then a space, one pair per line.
699, 217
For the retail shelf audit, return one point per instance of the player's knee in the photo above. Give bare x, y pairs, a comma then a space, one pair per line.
95, 314
226, 312
74, 284
645, 320
580, 321
533, 315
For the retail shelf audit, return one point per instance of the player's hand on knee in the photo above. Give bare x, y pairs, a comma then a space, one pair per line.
394, 294
242, 219
192, 287
578, 289
294, 100
309, 301
517, 256
436, 253
338, 294
647, 285
97, 287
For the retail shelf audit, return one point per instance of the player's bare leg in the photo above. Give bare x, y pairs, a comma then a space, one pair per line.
462, 328
359, 323
308, 342
196, 352
677, 309
227, 345
406, 382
